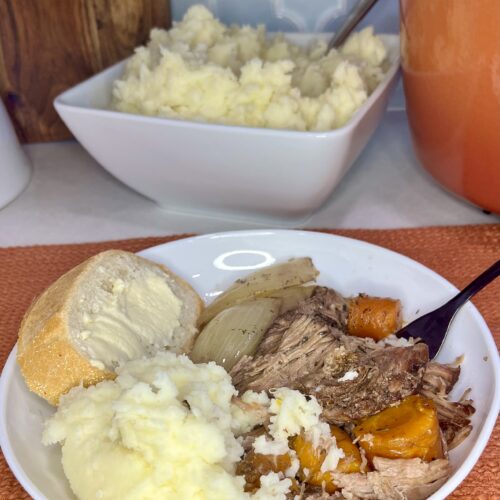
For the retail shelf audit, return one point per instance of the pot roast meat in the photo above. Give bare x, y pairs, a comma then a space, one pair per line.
440, 378
306, 349
300, 349
296, 342
411, 479
326, 305
316, 493
454, 417
383, 377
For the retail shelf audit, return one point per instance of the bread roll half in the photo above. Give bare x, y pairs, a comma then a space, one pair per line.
113, 307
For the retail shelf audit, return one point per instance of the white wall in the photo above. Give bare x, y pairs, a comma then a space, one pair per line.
293, 15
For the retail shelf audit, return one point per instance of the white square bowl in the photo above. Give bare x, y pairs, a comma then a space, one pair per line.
253, 174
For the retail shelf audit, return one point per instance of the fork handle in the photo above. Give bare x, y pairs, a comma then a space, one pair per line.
475, 286
354, 17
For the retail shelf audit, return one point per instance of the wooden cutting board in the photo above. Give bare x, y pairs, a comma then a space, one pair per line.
47, 46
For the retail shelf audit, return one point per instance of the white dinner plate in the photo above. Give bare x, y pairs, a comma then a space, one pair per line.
212, 262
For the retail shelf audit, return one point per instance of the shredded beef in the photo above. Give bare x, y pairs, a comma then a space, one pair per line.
384, 377
411, 479
326, 305
300, 349
316, 493
306, 349
454, 417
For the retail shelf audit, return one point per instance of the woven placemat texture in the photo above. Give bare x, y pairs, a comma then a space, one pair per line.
457, 253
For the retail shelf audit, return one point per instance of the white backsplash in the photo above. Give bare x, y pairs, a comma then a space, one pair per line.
294, 15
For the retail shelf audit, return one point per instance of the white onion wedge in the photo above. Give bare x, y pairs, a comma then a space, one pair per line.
234, 332
290, 297
294, 272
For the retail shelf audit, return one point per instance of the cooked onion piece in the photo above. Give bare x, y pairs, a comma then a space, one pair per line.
292, 273
290, 297
234, 332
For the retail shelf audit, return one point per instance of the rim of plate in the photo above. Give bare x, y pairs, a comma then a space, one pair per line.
451, 484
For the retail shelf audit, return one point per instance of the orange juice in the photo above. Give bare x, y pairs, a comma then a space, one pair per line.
451, 75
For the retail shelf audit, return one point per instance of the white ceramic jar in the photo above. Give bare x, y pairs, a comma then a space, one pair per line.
15, 168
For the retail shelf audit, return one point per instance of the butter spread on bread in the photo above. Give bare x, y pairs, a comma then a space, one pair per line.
114, 307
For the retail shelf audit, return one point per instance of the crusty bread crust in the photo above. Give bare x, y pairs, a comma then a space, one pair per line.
49, 362
51, 366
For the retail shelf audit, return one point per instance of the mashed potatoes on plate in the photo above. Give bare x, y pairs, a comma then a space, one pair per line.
165, 428
206, 71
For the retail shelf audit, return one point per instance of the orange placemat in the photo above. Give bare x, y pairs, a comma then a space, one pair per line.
458, 253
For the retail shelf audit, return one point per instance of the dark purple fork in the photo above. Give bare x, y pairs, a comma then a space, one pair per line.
433, 327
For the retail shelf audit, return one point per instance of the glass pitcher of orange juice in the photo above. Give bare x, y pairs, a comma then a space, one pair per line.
451, 75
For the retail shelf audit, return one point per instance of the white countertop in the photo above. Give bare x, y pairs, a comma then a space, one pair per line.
72, 199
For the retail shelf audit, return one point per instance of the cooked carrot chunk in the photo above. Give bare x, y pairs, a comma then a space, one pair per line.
408, 430
373, 317
311, 459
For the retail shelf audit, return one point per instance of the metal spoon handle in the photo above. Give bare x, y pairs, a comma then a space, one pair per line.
352, 20
475, 286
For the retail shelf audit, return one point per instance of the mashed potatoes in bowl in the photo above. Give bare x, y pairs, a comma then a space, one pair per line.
203, 70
